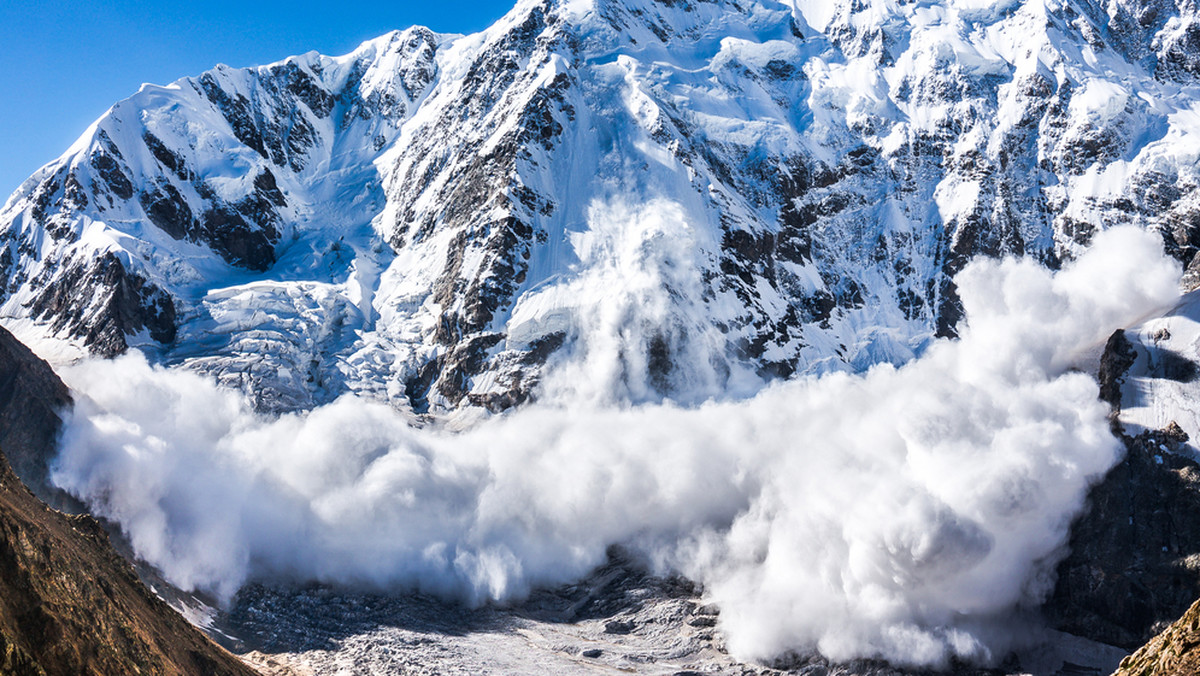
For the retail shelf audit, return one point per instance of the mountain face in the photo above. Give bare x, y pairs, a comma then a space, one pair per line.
69, 604
665, 200
637, 201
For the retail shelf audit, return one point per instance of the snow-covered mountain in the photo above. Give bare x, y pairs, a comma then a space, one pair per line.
661, 199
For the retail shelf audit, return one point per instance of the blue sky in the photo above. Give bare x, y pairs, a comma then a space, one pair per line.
63, 64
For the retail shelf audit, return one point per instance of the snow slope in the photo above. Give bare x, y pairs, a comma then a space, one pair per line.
1162, 384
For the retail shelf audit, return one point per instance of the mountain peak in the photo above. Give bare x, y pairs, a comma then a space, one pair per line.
752, 189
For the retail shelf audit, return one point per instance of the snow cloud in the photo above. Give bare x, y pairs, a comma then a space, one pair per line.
903, 513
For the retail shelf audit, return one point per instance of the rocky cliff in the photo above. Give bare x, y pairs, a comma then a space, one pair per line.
69, 604
1132, 570
1133, 563
32, 403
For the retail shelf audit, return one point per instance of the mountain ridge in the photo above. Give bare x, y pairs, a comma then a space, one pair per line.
428, 220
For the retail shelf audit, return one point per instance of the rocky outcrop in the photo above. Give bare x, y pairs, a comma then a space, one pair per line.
1133, 562
1174, 652
103, 304
1119, 354
33, 401
69, 604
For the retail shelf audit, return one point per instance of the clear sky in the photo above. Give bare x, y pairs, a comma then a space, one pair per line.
62, 64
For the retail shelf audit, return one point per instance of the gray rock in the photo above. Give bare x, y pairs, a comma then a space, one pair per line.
33, 401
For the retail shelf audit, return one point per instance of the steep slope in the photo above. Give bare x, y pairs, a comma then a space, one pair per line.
660, 199
1133, 563
1132, 569
206, 183
32, 403
70, 605
1175, 652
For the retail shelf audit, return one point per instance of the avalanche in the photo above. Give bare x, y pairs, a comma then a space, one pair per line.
906, 513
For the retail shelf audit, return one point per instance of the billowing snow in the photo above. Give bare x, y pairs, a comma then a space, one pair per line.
903, 513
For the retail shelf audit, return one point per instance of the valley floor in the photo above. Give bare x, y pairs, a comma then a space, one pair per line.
619, 620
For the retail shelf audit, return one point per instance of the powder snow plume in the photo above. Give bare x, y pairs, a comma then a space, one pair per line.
905, 513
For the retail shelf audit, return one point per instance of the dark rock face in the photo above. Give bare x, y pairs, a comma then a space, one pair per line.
32, 402
288, 134
1133, 562
1174, 652
1132, 565
244, 233
107, 162
1119, 355
1179, 52
102, 302
69, 604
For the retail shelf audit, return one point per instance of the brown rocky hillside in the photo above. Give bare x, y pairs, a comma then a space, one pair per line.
1175, 652
69, 604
